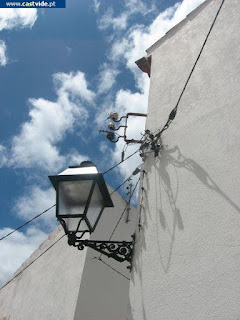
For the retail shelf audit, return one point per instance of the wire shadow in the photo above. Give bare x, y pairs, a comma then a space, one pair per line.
166, 185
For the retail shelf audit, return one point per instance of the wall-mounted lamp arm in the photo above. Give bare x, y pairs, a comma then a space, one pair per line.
118, 250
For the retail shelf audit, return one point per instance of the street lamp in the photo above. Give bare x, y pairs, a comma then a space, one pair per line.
81, 196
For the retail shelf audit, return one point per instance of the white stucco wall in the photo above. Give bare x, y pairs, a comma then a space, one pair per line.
104, 293
187, 255
65, 283
47, 288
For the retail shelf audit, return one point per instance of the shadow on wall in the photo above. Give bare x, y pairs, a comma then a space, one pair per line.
166, 190
166, 187
198, 171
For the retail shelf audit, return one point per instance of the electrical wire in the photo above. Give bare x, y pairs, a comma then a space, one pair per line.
173, 113
125, 208
32, 261
166, 126
171, 117
127, 204
23, 225
37, 216
120, 162
62, 237
112, 268
121, 184
141, 201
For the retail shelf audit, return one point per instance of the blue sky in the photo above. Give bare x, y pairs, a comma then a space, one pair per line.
62, 71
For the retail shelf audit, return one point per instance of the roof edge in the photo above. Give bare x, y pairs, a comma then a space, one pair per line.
144, 64
178, 26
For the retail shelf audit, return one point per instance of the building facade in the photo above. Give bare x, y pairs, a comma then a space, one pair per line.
187, 254
59, 282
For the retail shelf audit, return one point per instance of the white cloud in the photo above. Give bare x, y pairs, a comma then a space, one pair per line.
3, 54
103, 147
3, 156
74, 84
107, 78
36, 144
125, 102
132, 8
74, 158
136, 6
14, 19
16, 249
108, 20
128, 47
17, 18
96, 5
35, 201
68, 50
132, 46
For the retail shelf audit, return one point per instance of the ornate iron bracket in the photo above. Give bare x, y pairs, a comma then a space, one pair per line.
118, 250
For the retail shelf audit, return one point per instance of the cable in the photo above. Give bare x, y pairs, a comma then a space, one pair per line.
174, 111
127, 204
166, 126
112, 268
33, 261
141, 201
121, 184
23, 225
37, 216
125, 209
120, 162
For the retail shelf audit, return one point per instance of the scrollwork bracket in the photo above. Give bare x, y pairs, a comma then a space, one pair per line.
118, 250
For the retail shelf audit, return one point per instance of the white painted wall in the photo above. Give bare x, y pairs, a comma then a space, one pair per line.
187, 256
104, 293
65, 283
48, 288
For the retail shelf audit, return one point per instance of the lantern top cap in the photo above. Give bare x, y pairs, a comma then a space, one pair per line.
86, 167
86, 164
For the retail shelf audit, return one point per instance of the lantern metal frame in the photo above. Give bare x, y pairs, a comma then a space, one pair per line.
95, 178
119, 250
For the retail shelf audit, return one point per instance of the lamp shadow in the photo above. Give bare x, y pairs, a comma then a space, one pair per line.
199, 172
165, 168
168, 188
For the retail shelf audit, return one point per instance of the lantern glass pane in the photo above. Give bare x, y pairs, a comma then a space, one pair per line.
73, 197
95, 206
